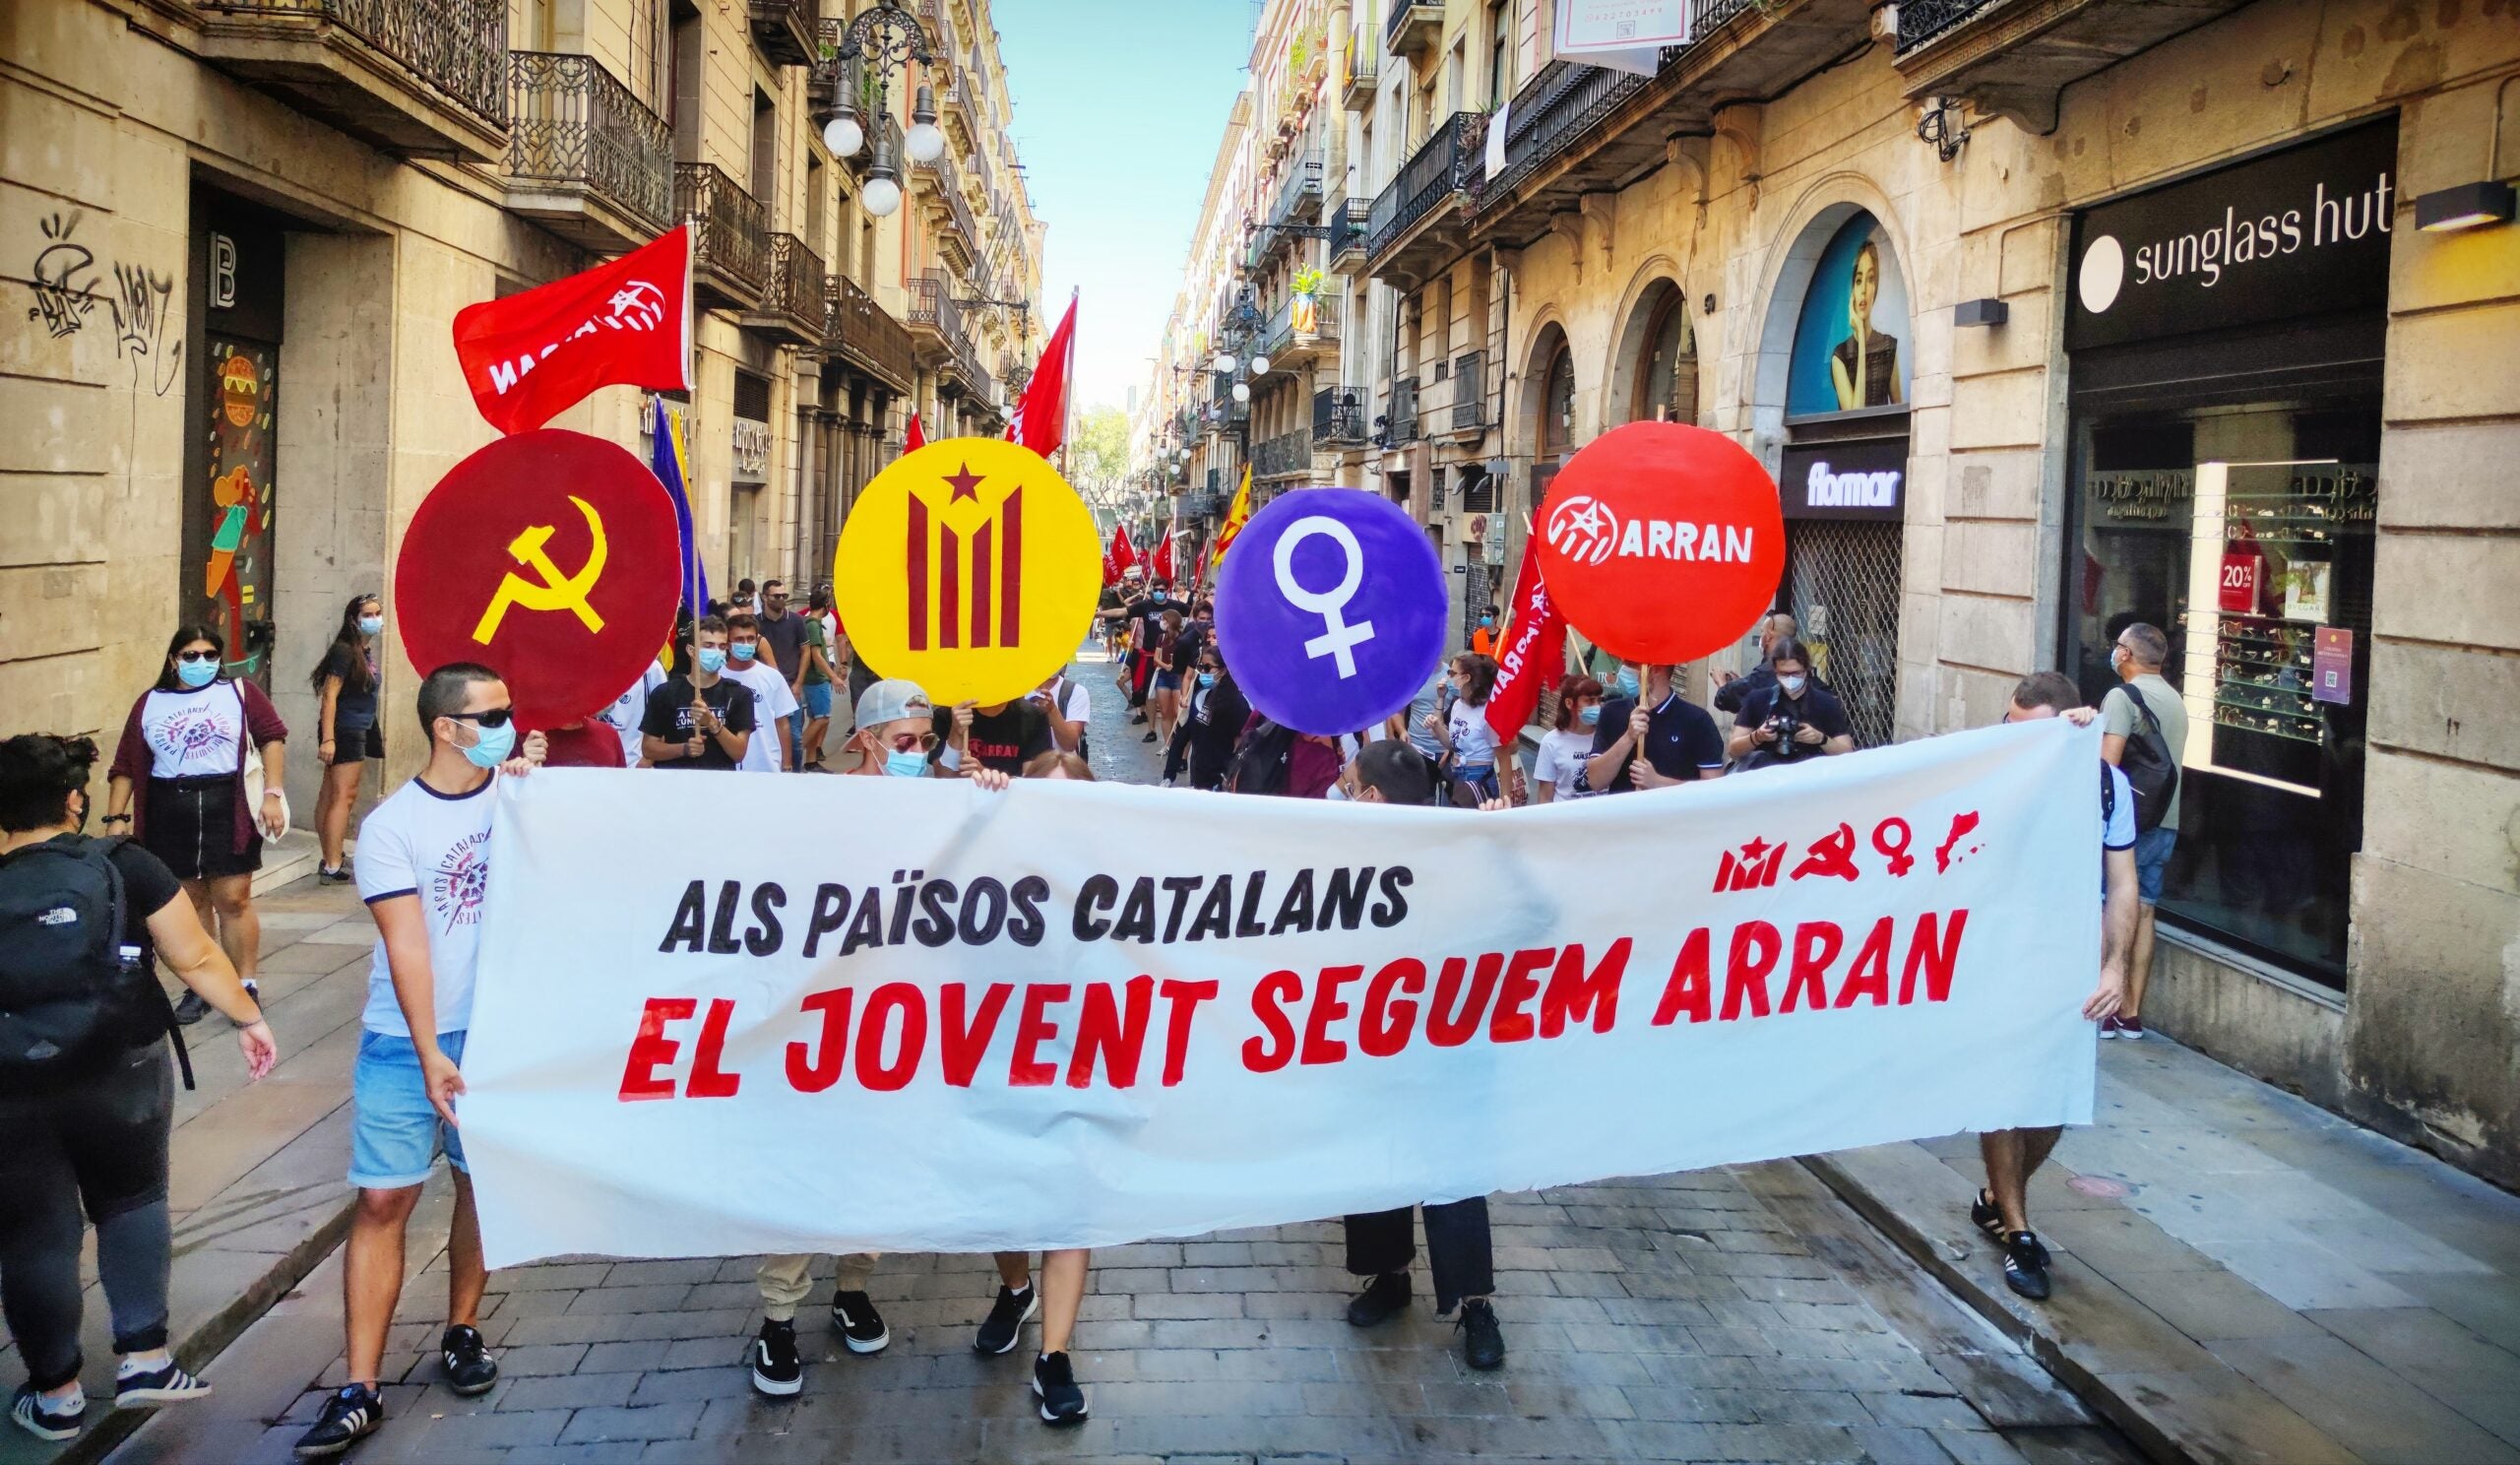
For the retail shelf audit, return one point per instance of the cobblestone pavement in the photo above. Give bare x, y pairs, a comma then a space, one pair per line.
1733, 1315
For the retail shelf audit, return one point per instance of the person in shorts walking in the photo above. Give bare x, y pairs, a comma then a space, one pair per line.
2144, 708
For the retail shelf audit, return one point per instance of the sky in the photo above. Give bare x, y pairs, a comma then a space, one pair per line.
1118, 106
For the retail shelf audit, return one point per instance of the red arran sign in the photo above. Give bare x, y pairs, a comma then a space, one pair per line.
1662, 541
531, 356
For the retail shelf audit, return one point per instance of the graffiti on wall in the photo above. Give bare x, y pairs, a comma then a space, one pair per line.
64, 277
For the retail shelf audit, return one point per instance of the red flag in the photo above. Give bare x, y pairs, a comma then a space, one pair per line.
1041, 411
912, 439
1162, 568
1533, 652
1112, 564
1123, 553
531, 356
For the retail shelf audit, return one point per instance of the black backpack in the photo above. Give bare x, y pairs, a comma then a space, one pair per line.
65, 973
2150, 771
1260, 764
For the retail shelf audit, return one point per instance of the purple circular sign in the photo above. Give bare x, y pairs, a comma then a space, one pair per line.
1330, 610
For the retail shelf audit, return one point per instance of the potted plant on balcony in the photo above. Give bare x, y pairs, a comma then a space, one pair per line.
1304, 312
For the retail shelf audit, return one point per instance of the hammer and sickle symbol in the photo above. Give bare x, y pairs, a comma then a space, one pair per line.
557, 592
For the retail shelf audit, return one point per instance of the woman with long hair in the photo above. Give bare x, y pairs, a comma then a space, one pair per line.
1471, 745
1163, 703
1558, 772
345, 727
178, 786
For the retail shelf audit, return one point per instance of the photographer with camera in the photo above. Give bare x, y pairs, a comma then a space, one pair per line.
1791, 721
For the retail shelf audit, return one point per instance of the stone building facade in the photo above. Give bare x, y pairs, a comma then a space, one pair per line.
235, 235
2048, 317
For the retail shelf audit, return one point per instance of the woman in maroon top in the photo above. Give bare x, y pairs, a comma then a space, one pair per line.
178, 787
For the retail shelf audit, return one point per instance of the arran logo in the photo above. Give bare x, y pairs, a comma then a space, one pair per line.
1584, 529
636, 306
1588, 533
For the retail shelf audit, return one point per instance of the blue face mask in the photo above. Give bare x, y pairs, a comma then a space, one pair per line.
1590, 715
1792, 686
372, 625
495, 744
744, 650
898, 764
1486, 622
1626, 684
1207, 678
712, 658
196, 673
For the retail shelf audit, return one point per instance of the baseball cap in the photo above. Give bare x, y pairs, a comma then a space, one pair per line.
892, 701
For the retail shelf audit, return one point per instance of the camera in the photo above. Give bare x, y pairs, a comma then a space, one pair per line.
1783, 725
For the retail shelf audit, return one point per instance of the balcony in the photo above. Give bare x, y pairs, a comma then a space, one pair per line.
413, 78
1400, 425
1421, 223
863, 333
729, 236
1338, 418
1288, 455
1296, 338
2012, 57
1198, 503
943, 184
1412, 26
1299, 198
1576, 129
1348, 220
784, 30
791, 297
1359, 70
1470, 394
583, 156
936, 326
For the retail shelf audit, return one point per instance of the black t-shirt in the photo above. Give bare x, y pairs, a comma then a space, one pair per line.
669, 716
1681, 739
785, 637
355, 704
1817, 706
1005, 739
1185, 647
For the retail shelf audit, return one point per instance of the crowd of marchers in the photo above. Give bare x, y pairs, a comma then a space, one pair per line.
88, 922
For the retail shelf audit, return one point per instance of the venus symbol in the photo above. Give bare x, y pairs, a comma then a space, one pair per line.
1338, 636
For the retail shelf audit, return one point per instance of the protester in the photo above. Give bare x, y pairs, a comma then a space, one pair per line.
1678, 737
2143, 728
2012, 1155
1483, 639
893, 739
814, 680
1380, 1247
1217, 715
1791, 718
585, 742
630, 708
88, 1130
699, 718
748, 600
774, 696
1164, 700
1069, 707
1004, 736
346, 731
784, 636
1731, 690
1557, 771
424, 872
1470, 743
190, 741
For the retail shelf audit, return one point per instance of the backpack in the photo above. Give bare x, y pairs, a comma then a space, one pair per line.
2148, 766
66, 972
1260, 765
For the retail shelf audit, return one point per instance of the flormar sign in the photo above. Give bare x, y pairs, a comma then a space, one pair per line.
990, 1021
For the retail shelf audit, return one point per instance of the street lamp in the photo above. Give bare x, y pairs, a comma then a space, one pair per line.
887, 39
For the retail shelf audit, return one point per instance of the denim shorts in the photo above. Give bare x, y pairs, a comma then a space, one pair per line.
2152, 856
817, 699
395, 1135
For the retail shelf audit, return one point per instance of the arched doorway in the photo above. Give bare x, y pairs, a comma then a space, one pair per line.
1554, 431
1655, 377
1843, 473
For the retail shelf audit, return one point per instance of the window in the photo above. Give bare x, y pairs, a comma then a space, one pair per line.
764, 147
1501, 39
1557, 406
813, 202
690, 68
1667, 386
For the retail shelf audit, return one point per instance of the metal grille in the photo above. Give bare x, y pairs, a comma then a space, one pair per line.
1842, 587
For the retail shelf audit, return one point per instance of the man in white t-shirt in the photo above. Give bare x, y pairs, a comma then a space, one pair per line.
1067, 704
626, 710
423, 869
773, 698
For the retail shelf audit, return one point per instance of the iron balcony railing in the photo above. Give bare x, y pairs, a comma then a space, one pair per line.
1286, 326
1402, 423
1921, 21
1300, 195
864, 333
458, 47
1348, 224
1362, 69
1285, 455
571, 123
1447, 165
1336, 417
784, 29
1397, 18
1199, 503
1566, 101
1470, 391
794, 289
730, 231
932, 304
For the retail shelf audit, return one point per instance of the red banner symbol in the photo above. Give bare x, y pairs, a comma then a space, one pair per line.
1535, 649
531, 356
964, 586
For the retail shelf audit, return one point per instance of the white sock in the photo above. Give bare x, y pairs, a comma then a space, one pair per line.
141, 1364
71, 1402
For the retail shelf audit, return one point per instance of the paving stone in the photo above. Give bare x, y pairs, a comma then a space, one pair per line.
633, 1422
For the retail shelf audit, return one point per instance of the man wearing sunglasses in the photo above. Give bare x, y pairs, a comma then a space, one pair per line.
423, 870
700, 718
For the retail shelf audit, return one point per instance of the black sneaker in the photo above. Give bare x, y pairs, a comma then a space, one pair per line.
776, 1371
1987, 1217
352, 1414
1483, 1342
1148, 737
1063, 1401
1385, 1297
190, 1009
466, 1361
29, 1410
859, 1325
341, 876
2026, 1266
165, 1385
1006, 1321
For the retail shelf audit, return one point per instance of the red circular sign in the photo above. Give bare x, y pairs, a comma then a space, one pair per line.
550, 556
1662, 541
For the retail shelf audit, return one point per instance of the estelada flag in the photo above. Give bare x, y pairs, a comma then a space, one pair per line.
531, 356
1236, 515
1533, 653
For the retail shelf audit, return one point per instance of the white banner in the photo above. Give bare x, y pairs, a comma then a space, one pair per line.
727, 1015
1622, 34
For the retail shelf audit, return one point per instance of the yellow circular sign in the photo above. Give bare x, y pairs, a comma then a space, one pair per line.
969, 567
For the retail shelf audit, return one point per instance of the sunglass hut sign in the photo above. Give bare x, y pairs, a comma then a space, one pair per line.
2303, 231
